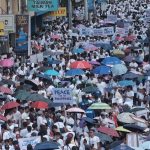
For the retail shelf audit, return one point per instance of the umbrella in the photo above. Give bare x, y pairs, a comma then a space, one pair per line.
134, 128
32, 83
78, 51
5, 90
119, 69
108, 131
99, 105
90, 89
135, 109
130, 75
89, 120
39, 105
130, 38
7, 81
90, 47
122, 147
128, 58
102, 70
122, 129
74, 72
124, 83
22, 94
118, 53
10, 105
103, 137
126, 117
75, 110
110, 61
115, 144
94, 63
3, 118
55, 36
6, 63
81, 65
47, 146
43, 76
119, 38
51, 72
54, 62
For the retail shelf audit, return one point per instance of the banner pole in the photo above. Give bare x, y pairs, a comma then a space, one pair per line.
29, 36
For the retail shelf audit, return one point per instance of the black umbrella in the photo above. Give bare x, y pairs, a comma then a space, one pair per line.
115, 143
134, 128
34, 85
89, 120
6, 81
47, 146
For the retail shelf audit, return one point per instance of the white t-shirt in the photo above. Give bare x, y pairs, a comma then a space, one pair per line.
129, 101
94, 141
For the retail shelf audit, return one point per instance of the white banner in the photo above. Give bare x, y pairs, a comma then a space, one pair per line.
23, 142
112, 18
62, 95
8, 22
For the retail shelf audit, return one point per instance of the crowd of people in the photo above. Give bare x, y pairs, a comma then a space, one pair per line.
121, 83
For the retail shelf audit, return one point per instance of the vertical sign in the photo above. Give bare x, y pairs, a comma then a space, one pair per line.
2, 28
22, 31
42, 5
90, 5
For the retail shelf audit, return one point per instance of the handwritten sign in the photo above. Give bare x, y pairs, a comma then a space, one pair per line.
23, 142
62, 95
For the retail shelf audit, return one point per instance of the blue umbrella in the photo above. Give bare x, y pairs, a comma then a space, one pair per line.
119, 69
51, 72
130, 75
74, 72
78, 51
54, 62
44, 76
102, 70
111, 61
46, 146
89, 120
126, 83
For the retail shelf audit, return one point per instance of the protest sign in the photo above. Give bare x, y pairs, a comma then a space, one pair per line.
59, 13
23, 142
112, 18
108, 31
62, 95
2, 28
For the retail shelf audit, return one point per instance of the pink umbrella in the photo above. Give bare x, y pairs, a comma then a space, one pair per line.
6, 63
94, 63
55, 36
119, 38
6, 90
75, 110
90, 47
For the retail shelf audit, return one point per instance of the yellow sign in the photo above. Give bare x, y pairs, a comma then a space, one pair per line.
2, 26
59, 13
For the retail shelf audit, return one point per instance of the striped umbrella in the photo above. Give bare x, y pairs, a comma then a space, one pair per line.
99, 106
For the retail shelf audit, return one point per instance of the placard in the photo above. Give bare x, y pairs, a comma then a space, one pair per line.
42, 5
23, 142
62, 95
112, 18
22, 30
8, 22
2, 28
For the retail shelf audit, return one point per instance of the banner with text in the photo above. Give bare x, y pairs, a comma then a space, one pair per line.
22, 30
62, 95
59, 13
2, 28
112, 18
43, 5
23, 142
8, 22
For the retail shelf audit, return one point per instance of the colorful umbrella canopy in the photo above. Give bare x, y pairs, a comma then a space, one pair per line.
3, 118
74, 72
130, 75
108, 131
39, 105
94, 63
81, 65
103, 137
118, 53
51, 72
126, 117
134, 128
54, 61
22, 94
124, 83
122, 129
75, 110
78, 51
110, 61
5, 90
55, 36
6, 63
10, 105
102, 70
90, 47
119, 69
99, 106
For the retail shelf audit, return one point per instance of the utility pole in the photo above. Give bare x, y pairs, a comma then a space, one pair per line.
86, 9
70, 13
